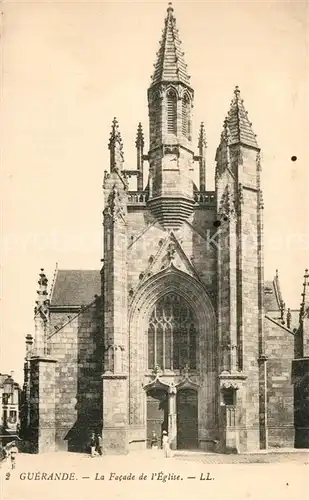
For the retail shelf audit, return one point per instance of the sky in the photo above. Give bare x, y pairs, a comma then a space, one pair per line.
69, 67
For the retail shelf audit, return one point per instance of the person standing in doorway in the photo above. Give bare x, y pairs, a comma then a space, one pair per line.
154, 441
92, 445
99, 447
166, 445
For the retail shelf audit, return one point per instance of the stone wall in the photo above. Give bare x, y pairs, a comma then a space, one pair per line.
280, 403
78, 348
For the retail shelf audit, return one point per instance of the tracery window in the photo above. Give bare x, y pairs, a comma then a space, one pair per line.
171, 112
172, 334
186, 122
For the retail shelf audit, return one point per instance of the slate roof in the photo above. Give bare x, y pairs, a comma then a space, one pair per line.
75, 287
170, 65
270, 297
240, 127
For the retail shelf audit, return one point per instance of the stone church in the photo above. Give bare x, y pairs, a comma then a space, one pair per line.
178, 331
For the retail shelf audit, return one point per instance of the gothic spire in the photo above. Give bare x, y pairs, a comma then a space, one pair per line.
170, 65
305, 295
139, 143
116, 147
238, 123
202, 144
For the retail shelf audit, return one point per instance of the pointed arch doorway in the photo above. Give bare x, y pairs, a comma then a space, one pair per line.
157, 413
172, 347
194, 295
187, 419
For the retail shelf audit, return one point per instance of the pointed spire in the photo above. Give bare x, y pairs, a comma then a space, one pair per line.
240, 128
139, 136
305, 295
170, 65
202, 143
116, 147
139, 158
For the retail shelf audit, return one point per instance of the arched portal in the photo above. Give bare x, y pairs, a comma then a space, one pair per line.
175, 307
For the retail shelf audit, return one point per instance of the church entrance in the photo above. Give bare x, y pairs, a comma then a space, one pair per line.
187, 419
157, 413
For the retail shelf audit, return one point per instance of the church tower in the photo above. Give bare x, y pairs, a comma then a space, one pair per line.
170, 102
179, 340
241, 277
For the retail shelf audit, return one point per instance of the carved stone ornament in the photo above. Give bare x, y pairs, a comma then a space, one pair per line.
229, 386
174, 150
171, 252
115, 205
114, 361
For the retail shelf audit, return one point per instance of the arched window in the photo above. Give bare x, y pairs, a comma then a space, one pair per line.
172, 334
186, 118
171, 112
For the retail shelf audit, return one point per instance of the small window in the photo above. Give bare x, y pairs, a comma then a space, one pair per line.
171, 112
186, 123
5, 399
13, 417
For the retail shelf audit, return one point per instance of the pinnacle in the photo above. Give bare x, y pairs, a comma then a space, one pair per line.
305, 294
238, 124
116, 147
202, 136
115, 135
170, 65
139, 136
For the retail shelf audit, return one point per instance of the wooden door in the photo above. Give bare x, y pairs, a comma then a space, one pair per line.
187, 419
157, 414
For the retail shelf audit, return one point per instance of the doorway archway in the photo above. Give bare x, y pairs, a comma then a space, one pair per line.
194, 294
187, 419
157, 413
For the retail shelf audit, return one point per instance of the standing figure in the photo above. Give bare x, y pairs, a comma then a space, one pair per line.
92, 445
166, 445
99, 447
154, 441
13, 452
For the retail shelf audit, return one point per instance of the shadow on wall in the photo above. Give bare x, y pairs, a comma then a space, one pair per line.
89, 403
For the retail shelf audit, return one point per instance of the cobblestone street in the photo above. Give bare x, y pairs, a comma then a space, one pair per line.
193, 476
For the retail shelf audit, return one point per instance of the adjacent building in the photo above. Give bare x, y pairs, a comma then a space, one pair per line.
178, 330
9, 406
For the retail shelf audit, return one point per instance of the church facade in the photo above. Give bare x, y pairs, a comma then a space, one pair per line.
178, 331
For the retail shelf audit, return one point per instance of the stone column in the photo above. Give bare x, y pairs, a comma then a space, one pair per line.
115, 409
42, 402
172, 418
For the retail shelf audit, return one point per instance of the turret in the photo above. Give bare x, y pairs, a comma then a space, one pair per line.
170, 101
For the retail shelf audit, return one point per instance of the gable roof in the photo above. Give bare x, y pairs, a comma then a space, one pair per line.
75, 287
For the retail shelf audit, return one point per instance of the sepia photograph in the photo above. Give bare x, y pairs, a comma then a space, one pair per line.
154, 282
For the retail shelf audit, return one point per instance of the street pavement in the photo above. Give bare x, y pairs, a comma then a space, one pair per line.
148, 475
